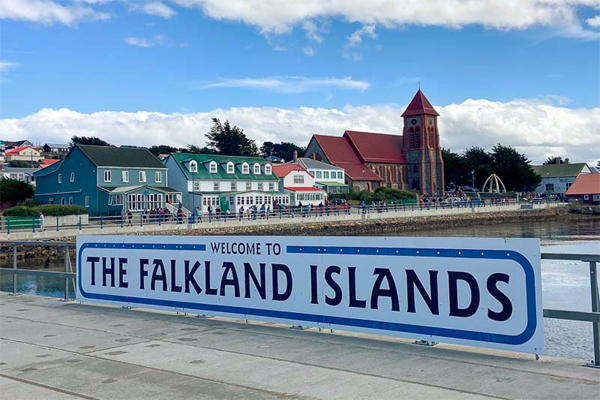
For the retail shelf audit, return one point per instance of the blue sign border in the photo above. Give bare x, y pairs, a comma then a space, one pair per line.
521, 338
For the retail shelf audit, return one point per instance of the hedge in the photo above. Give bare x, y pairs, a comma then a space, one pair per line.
46, 209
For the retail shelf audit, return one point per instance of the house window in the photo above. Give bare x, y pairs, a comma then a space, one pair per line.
87, 201
256, 169
233, 186
51, 201
298, 178
216, 186
213, 167
72, 176
70, 200
248, 185
318, 174
340, 175
549, 187
271, 187
62, 201
245, 168
193, 166
260, 186
196, 186
59, 178
326, 175
125, 176
142, 176
267, 169
107, 175
597, 197
230, 168
158, 177
568, 185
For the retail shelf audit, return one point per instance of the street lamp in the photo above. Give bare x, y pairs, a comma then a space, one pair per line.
473, 179
194, 196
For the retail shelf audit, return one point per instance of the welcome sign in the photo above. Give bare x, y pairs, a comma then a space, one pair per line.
478, 292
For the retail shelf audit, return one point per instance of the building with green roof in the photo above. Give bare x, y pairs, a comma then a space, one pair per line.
558, 178
229, 182
107, 181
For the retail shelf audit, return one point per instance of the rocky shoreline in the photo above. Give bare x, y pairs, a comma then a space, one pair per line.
341, 228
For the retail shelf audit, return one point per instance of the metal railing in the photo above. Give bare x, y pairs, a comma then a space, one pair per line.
592, 259
253, 215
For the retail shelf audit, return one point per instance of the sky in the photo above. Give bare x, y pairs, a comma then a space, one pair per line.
524, 73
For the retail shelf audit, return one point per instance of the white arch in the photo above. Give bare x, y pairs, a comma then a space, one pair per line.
494, 181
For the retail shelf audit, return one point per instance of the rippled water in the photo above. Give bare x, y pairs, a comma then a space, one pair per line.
565, 284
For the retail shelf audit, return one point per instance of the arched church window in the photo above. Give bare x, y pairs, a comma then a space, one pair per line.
417, 138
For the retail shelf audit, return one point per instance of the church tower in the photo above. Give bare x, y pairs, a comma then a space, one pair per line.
422, 147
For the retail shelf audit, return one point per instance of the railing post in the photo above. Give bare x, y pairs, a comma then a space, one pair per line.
121, 220
101, 221
8, 226
80, 222
14, 247
57, 223
595, 308
66, 263
33, 224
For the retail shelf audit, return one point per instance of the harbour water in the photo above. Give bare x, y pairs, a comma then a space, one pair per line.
565, 284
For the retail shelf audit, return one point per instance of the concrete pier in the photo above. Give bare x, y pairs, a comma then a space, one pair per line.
51, 349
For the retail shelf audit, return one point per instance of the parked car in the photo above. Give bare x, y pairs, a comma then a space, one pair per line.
339, 201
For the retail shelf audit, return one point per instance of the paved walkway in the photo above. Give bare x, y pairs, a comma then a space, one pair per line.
55, 350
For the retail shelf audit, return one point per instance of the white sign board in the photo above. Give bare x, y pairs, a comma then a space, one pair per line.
478, 292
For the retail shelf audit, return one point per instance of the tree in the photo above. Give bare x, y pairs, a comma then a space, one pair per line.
556, 160
22, 164
88, 140
198, 150
479, 161
230, 140
14, 191
454, 167
286, 150
514, 169
162, 149
267, 149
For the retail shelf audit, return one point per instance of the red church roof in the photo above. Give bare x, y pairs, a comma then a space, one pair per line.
585, 184
339, 152
377, 147
282, 170
419, 106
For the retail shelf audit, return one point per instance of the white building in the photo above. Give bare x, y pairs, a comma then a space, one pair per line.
326, 176
300, 184
558, 178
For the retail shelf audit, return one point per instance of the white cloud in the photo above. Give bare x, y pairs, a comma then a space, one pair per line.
534, 127
309, 51
290, 84
162, 40
594, 21
356, 40
159, 9
138, 42
50, 11
6, 65
313, 32
271, 17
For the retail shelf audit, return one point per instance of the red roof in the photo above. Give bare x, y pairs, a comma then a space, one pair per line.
16, 150
377, 147
340, 152
46, 162
282, 170
585, 184
304, 189
419, 106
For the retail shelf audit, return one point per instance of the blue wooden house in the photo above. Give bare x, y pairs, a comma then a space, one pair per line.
107, 181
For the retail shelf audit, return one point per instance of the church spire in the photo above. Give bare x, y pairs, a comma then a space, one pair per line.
419, 106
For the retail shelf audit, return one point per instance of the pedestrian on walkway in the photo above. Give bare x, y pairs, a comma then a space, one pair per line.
129, 218
41, 222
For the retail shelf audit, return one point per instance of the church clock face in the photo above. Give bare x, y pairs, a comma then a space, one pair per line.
431, 121
413, 121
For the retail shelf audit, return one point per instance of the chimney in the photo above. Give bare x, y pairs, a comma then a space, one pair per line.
295, 155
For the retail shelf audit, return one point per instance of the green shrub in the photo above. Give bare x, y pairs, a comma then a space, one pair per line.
47, 209
29, 203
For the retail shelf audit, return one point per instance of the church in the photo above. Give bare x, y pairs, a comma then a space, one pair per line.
370, 160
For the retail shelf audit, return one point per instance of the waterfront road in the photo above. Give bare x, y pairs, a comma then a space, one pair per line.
51, 349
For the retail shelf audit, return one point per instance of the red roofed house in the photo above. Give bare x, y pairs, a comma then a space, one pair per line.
410, 161
46, 162
585, 188
299, 184
23, 153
